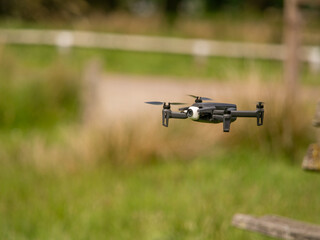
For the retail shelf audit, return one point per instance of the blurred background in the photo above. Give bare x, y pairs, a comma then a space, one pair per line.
82, 156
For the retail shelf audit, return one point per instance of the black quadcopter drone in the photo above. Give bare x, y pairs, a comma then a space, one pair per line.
209, 112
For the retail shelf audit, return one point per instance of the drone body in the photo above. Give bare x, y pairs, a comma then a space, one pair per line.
209, 112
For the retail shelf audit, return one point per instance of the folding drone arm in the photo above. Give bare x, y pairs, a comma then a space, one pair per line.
259, 114
228, 115
231, 114
167, 113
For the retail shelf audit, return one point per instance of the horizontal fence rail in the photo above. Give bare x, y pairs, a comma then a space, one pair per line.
196, 47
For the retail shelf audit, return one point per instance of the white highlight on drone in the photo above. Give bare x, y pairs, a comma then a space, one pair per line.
193, 113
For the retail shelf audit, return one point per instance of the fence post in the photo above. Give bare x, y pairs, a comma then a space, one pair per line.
291, 68
91, 79
201, 51
314, 59
64, 41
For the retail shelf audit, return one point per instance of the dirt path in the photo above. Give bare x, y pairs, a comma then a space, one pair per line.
123, 96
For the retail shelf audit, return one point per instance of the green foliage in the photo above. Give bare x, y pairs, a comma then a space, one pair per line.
54, 9
172, 200
37, 99
138, 63
32, 10
72, 191
42, 90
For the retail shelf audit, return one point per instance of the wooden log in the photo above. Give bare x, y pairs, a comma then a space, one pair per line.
311, 160
278, 227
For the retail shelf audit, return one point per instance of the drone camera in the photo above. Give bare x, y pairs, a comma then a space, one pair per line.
193, 113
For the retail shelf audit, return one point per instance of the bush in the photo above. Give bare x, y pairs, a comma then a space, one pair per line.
37, 100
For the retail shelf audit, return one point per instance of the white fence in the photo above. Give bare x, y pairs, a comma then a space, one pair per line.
196, 47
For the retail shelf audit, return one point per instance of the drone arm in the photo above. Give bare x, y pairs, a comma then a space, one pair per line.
178, 115
259, 114
244, 113
167, 113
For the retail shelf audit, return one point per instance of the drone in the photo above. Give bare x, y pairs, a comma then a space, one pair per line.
209, 112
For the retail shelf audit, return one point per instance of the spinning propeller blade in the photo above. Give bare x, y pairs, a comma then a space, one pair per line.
260, 104
154, 103
198, 97
177, 103
166, 112
161, 103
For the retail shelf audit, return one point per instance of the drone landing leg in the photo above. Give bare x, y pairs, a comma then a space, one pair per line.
166, 114
260, 119
226, 124
165, 117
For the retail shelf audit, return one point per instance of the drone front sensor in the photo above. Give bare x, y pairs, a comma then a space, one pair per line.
193, 113
209, 112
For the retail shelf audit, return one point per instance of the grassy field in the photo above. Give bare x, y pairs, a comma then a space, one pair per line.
56, 184
166, 200
214, 69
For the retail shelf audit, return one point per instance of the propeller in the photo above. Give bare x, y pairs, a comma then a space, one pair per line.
166, 112
165, 105
154, 103
199, 99
260, 105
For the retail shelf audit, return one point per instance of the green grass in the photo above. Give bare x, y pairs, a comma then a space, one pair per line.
37, 92
181, 66
175, 199
168, 200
